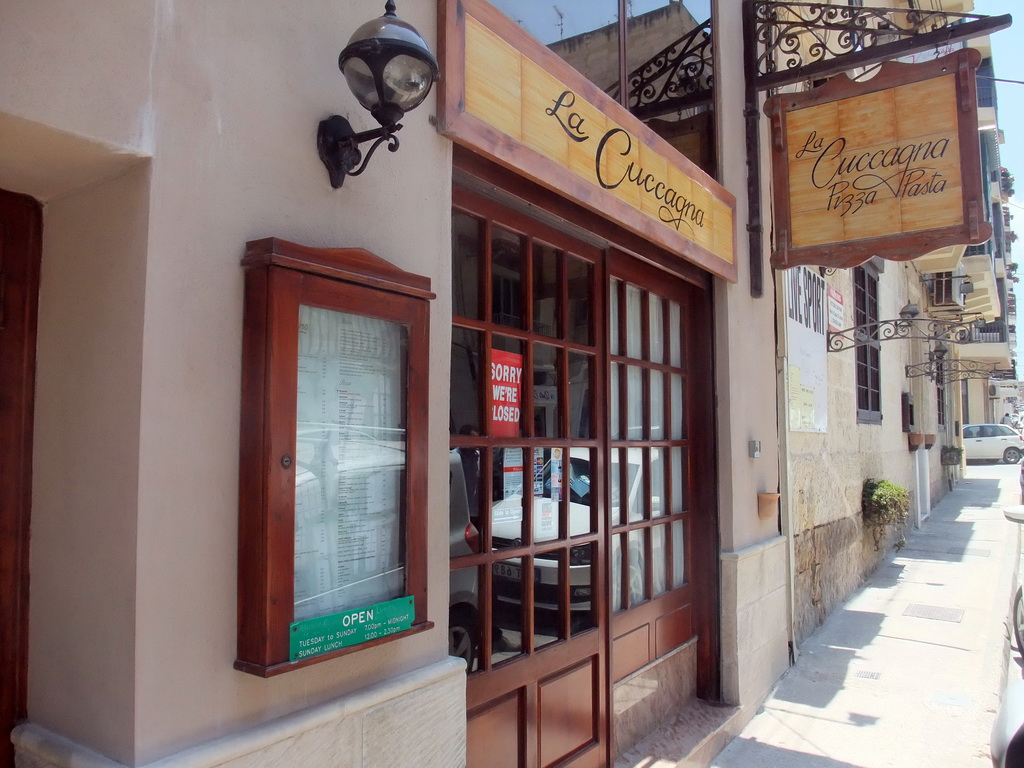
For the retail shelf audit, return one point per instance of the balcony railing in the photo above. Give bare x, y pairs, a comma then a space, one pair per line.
993, 333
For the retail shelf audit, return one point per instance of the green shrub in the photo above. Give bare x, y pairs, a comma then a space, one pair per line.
884, 504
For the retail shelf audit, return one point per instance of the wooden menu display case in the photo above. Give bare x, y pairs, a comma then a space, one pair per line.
332, 478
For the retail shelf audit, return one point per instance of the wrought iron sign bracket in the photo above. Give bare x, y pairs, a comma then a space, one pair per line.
679, 76
799, 41
951, 370
914, 329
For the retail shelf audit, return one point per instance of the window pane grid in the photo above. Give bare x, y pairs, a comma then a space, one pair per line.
648, 509
529, 519
867, 359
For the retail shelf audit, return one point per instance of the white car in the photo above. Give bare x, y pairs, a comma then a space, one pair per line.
508, 530
993, 442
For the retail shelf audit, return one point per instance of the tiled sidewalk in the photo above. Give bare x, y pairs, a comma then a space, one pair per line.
909, 671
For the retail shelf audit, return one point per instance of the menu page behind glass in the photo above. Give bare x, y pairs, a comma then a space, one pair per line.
350, 462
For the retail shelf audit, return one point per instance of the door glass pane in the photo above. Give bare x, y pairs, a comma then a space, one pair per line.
580, 409
613, 317
616, 581
635, 477
675, 333
507, 498
680, 492
464, 616
548, 481
617, 502
637, 559
467, 250
546, 412
506, 387
506, 277
657, 326
634, 403
464, 482
581, 285
659, 497
634, 329
615, 402
658, 558
678, 408
545, 290
657, 409
466, 382
507, 608
581, 604
350, 462
581, 499
547, 598
678, 554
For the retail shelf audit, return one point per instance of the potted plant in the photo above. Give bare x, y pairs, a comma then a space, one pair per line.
951, 455
884, 504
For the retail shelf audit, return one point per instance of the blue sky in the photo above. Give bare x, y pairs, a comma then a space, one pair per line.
1008, 62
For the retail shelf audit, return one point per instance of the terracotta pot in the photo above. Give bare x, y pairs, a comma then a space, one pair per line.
767, 505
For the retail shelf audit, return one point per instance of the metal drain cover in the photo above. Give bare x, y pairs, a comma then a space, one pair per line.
936, 612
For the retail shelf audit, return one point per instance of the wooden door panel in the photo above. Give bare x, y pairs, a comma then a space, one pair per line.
631, 651
567, 711
493, 737
550, 661
673, 630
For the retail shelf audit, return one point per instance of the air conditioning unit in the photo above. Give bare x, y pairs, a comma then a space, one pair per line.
946, 290
993, 390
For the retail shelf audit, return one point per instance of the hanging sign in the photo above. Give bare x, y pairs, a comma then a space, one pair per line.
507, 96
888, 166
506, 390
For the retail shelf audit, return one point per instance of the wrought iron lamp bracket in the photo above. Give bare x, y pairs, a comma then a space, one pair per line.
338, 146
914, 329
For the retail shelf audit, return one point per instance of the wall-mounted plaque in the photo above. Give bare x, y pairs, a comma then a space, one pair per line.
332, 526
888, 166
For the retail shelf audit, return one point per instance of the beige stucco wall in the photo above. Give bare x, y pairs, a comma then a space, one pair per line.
744, 340
86, 482
754, 564
136, 454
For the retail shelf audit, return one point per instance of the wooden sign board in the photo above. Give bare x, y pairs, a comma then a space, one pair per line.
886, 167
508, 97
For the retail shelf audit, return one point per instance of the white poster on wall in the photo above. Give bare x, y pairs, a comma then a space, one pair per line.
807, 330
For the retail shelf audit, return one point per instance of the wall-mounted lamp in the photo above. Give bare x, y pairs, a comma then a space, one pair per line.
389, 69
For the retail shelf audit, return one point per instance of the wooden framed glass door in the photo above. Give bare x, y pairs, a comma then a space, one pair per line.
582, 526
526, 469
662, 521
